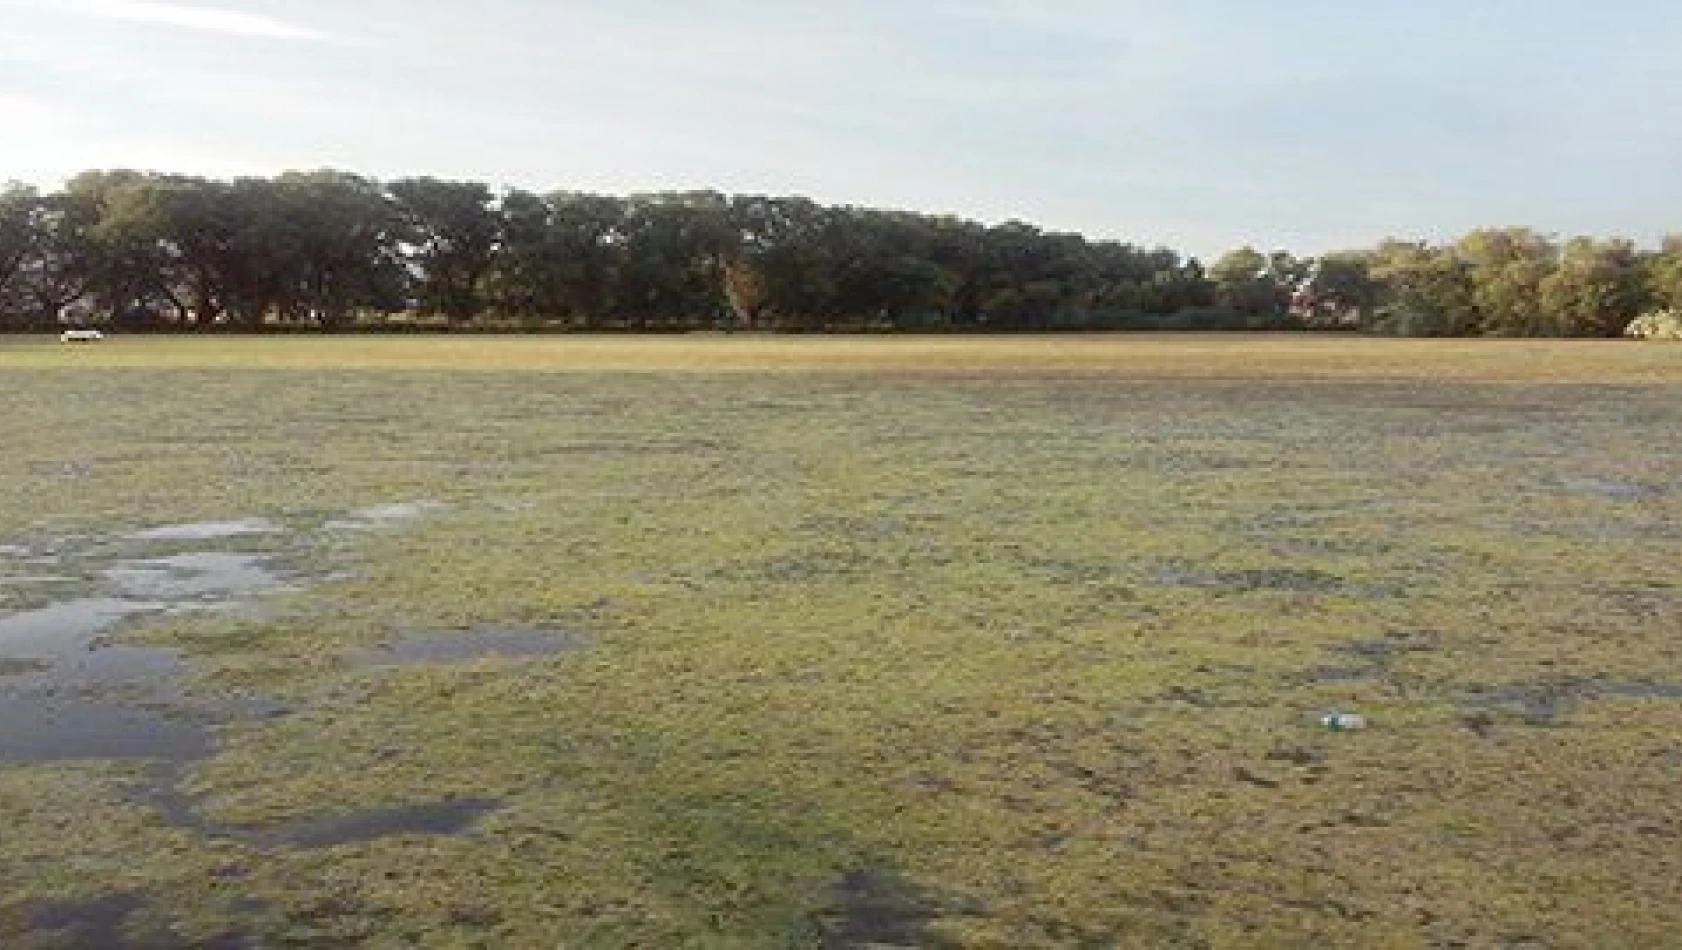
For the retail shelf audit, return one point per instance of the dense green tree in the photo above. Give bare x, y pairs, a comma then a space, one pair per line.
451, 233
337, 235
20, 208
1662, 273
333, 250
1246, 280
64, 262
1596, 290
1340, 291
1507, 268
1426, 291
667, 273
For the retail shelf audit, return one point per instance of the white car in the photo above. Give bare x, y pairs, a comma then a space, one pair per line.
80, 336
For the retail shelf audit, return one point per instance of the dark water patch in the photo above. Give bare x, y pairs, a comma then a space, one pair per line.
35, 731
66, 628
209, 530
69, 694
50, 709
162, 787
60, 651
467, 646
873, 907
107, 922
89, 923
433, 819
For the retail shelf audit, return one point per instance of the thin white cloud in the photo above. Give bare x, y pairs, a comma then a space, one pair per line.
198, 18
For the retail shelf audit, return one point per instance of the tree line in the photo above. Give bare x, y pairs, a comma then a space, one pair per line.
330, 250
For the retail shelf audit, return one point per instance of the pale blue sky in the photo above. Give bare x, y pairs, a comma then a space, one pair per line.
1200, 124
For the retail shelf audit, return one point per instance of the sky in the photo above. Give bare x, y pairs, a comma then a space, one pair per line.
1199, 125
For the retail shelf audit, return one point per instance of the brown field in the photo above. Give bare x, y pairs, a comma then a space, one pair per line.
1141, 356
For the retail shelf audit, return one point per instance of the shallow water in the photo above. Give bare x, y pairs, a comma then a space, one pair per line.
873, 907
93, 922
209, 530
66, 693
375, 517
49, 731
195, 576
62, 630
436, 819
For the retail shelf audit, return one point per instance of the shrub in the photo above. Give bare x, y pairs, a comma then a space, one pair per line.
1658, 325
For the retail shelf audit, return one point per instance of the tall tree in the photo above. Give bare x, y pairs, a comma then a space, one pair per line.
452, 232
1596, 291
338, 234
1426, 291
1662, 272
1246, 281
19, 233
1507, 268
1340, 291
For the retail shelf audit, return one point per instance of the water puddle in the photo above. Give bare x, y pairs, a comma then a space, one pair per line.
433, 819
195, 576
66, 629
68, 691
467, 646
91, 922
209, 530
875, 908
34, 730
378, 517
107, 922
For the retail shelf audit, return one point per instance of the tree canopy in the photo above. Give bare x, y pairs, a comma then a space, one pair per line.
331, 250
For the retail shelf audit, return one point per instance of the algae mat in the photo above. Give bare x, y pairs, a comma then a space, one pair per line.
961, 658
